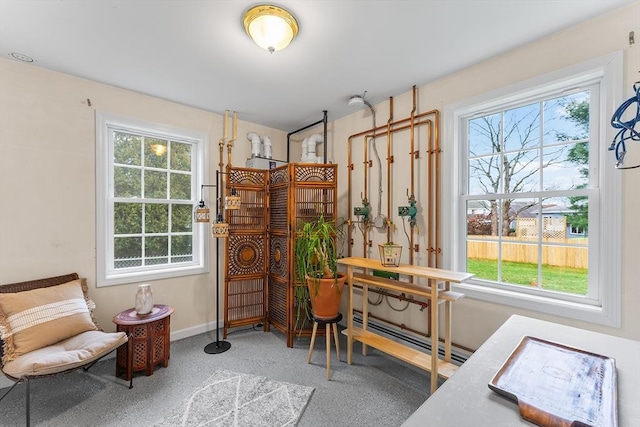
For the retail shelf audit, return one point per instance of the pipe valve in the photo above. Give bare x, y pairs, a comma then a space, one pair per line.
409, 211
363, 212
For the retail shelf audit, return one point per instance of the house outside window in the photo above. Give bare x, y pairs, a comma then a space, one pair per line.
531, 183
148, 178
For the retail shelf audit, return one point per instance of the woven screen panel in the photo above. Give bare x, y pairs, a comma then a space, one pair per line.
245, 300
278, 209
278, 304
279, 176
313, 202
315, 173
278, 256
245, 255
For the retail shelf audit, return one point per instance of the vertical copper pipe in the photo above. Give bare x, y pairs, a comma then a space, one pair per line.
365, 162
349, 171
412, 160
429, 197
389, 168
365, 232
436, 206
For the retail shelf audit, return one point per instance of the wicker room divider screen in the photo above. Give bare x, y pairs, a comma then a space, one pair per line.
260, 278
246, 250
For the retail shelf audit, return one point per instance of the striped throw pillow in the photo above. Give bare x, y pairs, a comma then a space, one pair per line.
37, 318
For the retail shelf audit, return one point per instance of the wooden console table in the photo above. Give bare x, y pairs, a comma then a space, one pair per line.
432, 291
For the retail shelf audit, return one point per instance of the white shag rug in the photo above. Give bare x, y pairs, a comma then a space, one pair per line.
240, 400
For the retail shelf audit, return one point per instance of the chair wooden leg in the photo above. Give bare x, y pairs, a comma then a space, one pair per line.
335, 337
328, 340
313, 341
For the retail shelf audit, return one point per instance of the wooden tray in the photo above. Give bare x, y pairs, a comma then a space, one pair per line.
556, 385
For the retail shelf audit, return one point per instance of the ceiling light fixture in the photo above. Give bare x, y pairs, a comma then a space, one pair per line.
270, 27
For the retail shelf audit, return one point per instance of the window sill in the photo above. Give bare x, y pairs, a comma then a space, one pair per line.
539, 303
121, 278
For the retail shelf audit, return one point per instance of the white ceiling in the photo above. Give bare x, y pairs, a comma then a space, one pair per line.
197, 53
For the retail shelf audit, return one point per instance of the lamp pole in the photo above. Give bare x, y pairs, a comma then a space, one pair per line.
218, 346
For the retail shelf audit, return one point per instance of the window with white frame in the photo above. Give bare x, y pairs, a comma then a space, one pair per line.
531, 170
147, 181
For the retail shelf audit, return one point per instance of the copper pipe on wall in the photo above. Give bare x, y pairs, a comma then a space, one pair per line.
412, 160
404, 327
429, 198
365, 163
389, 122
349, 170
365, 229
377, 131
436, 206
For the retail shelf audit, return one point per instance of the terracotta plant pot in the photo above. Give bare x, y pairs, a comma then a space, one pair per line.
325, 303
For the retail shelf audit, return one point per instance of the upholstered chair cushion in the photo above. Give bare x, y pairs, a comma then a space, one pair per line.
67, 354
31, 320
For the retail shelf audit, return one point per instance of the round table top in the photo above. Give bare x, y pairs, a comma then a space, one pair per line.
130, 317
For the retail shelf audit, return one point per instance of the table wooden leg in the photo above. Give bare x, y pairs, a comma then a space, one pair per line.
447, 327
350, 314
365, 313
434, 335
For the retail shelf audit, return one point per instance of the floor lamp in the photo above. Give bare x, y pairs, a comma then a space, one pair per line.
219, 229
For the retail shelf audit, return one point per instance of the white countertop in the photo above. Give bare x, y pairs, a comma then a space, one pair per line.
466, 400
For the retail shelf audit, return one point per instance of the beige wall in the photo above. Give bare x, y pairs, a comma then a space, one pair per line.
475, 320
47, 173
47, 184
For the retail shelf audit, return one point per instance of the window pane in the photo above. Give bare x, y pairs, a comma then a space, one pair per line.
567, 118
521, 171
127, 218
523, 219
126, 149
519, 263
156, 246
484, 175
482, 259
559, 172
180, 186
181, 246
565, 269
127, 251
155, 184
479, 218
180, 156
181, 218
578, 219
156, 218
522, 127
155, 153
485, 135
127, 182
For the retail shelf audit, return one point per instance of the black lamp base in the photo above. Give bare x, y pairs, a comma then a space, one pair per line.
217, 347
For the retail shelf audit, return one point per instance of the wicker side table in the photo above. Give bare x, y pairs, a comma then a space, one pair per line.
149, 334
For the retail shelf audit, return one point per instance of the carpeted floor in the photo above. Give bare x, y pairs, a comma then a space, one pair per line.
232, 399
375, 390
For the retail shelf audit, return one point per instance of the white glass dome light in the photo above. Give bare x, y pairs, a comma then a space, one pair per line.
270, 27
